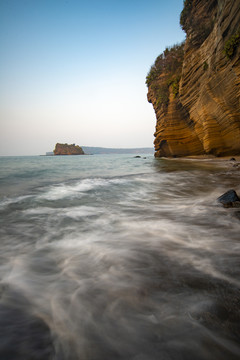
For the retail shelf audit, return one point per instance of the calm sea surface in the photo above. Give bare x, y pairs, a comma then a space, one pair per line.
115, 257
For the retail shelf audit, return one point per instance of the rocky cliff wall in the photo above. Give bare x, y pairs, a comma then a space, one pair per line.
200, 113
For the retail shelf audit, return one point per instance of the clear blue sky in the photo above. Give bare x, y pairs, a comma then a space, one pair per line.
74, 71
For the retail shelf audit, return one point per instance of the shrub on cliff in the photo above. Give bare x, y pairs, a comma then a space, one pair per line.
169, 62
162, 94
232, 44
174, 82
187, 7
166, 72
197, 18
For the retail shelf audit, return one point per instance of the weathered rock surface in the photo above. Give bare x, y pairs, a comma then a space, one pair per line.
203, 115
65, 149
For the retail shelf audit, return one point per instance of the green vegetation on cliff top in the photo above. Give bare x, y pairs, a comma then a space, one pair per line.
169, 62
166, 72
198, 23
232, 44
187, 7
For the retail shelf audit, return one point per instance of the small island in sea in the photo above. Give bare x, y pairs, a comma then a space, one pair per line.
66, 149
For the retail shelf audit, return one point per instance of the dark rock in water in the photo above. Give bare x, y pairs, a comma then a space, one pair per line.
237, 215
232, 159
137, 157
229, 199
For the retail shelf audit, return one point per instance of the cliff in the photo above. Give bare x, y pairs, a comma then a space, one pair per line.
194, 87
65, 149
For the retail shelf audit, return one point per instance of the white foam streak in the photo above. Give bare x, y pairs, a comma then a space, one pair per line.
8, 201
58, 192
72, 212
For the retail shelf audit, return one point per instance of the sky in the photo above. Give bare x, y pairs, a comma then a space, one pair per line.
73, 71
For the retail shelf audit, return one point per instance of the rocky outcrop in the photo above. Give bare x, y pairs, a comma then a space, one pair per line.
65, 149
196, 98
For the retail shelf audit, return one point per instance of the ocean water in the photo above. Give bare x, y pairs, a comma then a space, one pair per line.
118, 258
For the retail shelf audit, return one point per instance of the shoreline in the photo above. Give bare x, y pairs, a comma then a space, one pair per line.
204, 157
212, 157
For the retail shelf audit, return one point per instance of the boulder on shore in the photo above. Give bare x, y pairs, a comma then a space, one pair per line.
229, 199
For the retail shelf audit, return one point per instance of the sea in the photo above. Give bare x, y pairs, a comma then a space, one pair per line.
117, 257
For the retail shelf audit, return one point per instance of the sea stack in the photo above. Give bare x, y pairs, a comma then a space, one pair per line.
66, 149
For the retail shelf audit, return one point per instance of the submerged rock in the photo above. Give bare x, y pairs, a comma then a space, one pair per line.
229, 199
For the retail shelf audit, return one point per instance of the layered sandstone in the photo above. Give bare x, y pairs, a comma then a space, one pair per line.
65, 149
201, 112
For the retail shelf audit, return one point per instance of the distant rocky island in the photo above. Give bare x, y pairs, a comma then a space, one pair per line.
66, 149
194, 87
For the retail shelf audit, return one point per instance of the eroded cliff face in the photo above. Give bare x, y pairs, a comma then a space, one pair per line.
200, 113
65, 149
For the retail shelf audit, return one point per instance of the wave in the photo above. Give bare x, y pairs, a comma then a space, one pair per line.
137, 266
13, 200
61, 191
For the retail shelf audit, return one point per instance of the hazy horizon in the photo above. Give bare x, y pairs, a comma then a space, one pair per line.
74, 72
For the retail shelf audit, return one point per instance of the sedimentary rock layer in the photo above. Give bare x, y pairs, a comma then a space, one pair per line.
203, 115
